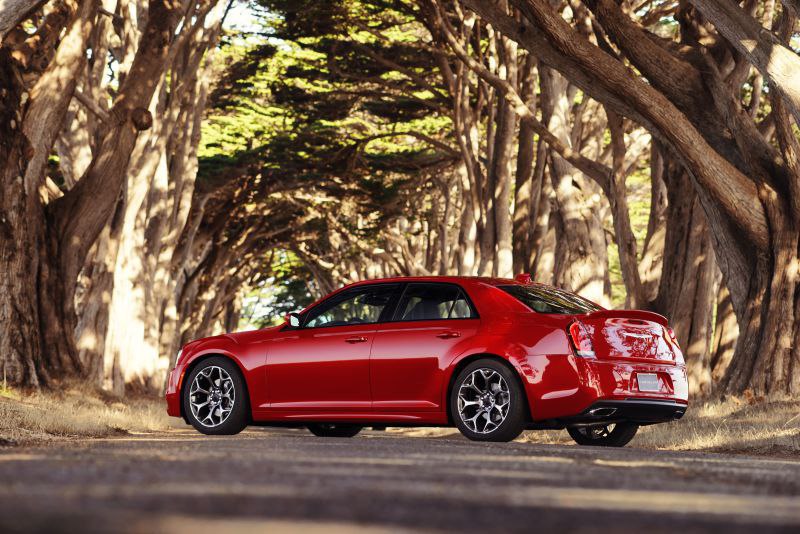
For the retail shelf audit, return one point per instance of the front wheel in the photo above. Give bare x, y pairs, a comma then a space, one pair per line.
215, 398
487, 402
331, 430
610, 435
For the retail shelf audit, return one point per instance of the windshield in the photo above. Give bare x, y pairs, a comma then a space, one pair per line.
544, 299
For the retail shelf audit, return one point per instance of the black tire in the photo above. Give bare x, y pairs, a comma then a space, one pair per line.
239, 416
334, 430
603, 435
516, 415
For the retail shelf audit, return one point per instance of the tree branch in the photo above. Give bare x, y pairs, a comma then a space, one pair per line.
92, 106
596, 171
12, 12
777, 62
734, 192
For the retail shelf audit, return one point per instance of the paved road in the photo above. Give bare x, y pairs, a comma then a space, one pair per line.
276, 480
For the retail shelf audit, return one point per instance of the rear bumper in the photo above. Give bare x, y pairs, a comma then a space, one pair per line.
560, 387
642, 411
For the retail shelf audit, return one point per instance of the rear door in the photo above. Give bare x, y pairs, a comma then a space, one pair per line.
432, 321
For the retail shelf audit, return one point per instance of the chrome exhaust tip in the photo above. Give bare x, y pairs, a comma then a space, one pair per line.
602, 412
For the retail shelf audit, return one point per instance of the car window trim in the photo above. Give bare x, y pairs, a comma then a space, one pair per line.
461, 292
342, 296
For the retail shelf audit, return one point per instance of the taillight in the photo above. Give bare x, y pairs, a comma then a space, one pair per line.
581, 340
671, 334
676, 351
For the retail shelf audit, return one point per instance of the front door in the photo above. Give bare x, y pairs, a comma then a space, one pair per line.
431, 325
324, 364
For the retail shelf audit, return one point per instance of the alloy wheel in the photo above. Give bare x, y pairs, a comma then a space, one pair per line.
483, 400
212, 396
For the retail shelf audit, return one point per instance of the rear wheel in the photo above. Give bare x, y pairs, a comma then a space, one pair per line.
215, 399
610, 435
487, 402
334, 430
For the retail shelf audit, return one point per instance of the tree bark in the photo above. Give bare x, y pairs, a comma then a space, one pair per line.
63, 232
20, 349
35, 118
776, 61
12, 12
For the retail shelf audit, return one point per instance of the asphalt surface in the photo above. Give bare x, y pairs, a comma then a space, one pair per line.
288, 480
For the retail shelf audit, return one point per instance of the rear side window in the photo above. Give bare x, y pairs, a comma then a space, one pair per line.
549, 299
431, 302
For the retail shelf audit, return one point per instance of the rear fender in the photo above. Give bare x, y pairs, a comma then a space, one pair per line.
512, 353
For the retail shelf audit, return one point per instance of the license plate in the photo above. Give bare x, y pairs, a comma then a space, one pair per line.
647, 381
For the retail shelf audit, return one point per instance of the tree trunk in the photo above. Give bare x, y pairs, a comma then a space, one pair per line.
500, 172
726, 331
524, 190
48, 306
581, 249
650, 266
689, 279
20, 245
623, 232
61, 234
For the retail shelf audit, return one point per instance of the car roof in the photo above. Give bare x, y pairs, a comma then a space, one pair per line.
492, 281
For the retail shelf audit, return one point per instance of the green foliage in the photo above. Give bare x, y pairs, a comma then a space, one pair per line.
271, 299
330, 107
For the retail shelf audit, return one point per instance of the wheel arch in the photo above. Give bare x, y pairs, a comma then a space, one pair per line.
457, 366
197, 360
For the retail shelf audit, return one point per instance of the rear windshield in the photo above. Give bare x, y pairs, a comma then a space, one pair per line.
549, 299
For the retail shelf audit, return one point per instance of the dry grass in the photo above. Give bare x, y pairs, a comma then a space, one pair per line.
770, 428
765, 427
74, 413
734, 426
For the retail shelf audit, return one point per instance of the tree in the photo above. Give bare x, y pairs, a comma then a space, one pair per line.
746, 188
57, 227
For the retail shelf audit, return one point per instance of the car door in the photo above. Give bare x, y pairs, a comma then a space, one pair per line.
431, 324
323, 365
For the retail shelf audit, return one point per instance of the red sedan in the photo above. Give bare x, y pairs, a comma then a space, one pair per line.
491, 356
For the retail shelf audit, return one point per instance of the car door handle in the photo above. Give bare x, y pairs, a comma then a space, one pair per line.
448, 335
356, 339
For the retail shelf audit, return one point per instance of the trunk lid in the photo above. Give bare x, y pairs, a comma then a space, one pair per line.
625, 334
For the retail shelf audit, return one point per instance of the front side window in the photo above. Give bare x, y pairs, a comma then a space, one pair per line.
431, 302
545, 299
362, 305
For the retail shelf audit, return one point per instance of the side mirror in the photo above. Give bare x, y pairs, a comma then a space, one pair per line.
293, 319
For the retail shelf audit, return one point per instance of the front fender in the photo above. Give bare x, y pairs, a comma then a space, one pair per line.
250, 358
